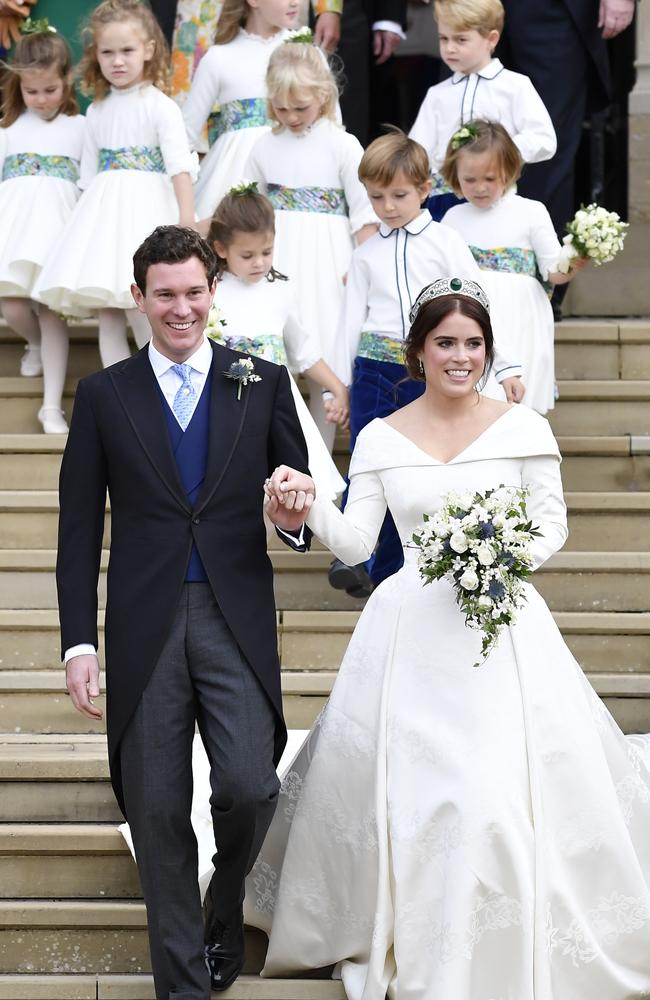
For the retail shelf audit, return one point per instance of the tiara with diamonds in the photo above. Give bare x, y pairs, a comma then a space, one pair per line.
448, 286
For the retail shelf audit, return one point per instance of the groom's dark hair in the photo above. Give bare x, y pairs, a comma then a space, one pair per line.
172, 245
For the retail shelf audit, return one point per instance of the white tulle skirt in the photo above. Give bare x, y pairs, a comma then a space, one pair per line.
34, 213
224, 166
91, 265
522, 321
314, 251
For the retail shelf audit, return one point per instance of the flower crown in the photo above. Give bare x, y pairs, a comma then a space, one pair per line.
35, 27
448, 286
464, 135
304, 36
244, 187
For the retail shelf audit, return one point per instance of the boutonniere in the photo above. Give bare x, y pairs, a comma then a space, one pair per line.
242, 372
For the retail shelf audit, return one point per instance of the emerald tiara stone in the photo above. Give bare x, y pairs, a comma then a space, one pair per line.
449, 286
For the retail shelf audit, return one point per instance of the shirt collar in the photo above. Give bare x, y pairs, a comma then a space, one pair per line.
414, 227
200, 361
493, 68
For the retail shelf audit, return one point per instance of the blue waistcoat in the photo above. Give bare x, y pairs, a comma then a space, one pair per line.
190, 448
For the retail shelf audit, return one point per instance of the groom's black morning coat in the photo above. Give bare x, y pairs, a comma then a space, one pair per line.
119, 441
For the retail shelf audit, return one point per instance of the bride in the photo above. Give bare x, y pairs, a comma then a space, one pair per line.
450, 833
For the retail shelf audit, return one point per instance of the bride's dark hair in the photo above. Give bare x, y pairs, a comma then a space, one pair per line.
431, 315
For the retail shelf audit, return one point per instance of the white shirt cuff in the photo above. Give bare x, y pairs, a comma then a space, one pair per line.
83, 649
390, 26
296, 539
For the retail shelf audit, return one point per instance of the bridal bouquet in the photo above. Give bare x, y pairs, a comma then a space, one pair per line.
481, 543
594, 233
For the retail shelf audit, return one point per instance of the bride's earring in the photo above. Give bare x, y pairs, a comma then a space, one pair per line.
421, 367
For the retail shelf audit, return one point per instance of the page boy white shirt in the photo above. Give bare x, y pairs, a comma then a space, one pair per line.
386, 275
494, 93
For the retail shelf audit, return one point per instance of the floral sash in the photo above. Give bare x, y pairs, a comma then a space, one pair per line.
147, 158
248, 113
380, 348
326, 201
515, 260
269, 346
36, 165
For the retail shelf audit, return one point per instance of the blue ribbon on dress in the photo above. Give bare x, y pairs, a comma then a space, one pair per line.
251, 112
37, 165
146, 158
377, 347
325, 201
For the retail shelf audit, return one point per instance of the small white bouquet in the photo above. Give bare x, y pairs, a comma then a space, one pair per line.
216, 324
480, 542
594, 233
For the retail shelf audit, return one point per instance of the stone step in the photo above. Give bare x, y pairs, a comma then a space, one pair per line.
134, 987
109, 937
597, 520
66, 861
569, 581
602, 349
32, 461
33, 701
614, 406
584, 349
602, 407
316, 640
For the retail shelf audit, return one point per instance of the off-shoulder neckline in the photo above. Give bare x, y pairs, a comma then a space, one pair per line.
454, 458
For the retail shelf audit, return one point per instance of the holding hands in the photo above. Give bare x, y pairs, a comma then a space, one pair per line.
288, 497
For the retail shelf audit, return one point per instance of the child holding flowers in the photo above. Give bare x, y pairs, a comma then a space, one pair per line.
515, 246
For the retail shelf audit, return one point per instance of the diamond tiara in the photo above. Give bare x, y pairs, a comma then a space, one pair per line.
449, 286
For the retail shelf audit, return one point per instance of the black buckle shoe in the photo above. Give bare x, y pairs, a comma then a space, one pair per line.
224, 951
354, 580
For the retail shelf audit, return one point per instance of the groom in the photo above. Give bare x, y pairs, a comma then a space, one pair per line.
183, 443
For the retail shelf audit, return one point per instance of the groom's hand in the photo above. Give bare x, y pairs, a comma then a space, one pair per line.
82, 680
290, 495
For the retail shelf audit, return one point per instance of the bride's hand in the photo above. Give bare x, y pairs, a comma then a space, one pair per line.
290, 495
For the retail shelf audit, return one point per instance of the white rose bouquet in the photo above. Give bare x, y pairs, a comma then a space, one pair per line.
594, 233
481, 543
214, 328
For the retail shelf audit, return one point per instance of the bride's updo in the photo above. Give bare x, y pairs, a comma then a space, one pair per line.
431, 314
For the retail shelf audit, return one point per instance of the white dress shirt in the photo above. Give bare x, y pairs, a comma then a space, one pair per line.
386, 275
494, 93
169, 382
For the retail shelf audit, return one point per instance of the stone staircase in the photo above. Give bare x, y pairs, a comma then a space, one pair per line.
72, 922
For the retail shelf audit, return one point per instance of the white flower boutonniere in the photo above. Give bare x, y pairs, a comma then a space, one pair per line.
242, 372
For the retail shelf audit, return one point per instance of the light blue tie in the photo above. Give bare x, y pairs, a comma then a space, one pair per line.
185, 398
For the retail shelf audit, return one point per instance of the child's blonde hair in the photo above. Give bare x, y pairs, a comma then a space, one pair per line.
40, 51
485, 137
156, 69
392, 154
294, 68
233, 16
483, 16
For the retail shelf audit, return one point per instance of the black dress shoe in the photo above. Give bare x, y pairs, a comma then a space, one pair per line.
354, 580
224, 951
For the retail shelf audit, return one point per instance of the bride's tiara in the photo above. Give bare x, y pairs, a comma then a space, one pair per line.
449, 286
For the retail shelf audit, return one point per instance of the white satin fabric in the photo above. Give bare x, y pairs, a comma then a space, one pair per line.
450, 833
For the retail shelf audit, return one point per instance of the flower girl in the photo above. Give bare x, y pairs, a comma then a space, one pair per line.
136, 173
41, 138
231, 77
515, 246
256, 315
308, 166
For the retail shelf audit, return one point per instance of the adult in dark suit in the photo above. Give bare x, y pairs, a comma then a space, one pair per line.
371, 30
560, 45
190, 617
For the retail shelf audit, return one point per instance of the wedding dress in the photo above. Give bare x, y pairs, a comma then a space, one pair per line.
451, 833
